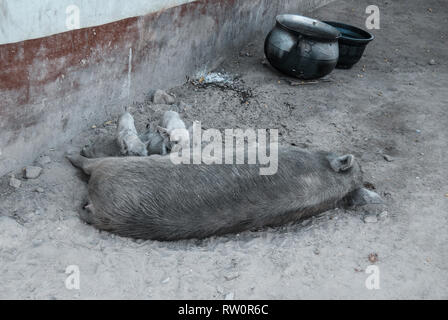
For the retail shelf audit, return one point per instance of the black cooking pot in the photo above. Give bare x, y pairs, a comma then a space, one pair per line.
352, 43
302, 47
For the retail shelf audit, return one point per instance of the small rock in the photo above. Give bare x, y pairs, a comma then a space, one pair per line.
316, 252
39, 190
15, 183
32, 172
161, 97
370, 218
264, 62
220, 289
165, 281
432, 62
36, 243
384, 214
306, 222
388, 158
231, 276
245, 54
229, 296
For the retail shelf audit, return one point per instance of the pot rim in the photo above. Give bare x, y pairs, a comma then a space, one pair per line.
308, 27
366, 36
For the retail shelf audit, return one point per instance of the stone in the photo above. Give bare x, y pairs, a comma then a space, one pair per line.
370, 218
231, 276
161, 97
15, 183
306, 222
165, 281
245, 54
229, 296
388, 158
36, 243
432, 62
384, 214
39, 190
32, 172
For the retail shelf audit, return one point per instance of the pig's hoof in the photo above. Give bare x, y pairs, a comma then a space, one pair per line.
342, 163
362, 196
85, 151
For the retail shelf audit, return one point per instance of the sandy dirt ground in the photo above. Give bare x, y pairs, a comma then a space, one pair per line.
394, 103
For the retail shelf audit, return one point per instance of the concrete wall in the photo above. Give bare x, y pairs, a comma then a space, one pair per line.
53, 87
30, 19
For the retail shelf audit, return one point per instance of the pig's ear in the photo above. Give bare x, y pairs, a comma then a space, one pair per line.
342, 163
163, 132
362, 196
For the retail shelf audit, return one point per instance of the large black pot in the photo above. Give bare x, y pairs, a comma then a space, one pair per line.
302, 47
352, 43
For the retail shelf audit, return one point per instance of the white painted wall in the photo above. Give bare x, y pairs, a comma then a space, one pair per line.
28, 19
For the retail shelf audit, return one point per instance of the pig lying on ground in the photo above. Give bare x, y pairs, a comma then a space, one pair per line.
151, 198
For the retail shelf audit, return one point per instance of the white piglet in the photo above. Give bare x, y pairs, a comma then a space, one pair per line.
128, 139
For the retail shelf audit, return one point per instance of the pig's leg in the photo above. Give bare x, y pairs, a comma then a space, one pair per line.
87, 165
362, 196
166, 139
164, 149
87, 213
